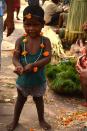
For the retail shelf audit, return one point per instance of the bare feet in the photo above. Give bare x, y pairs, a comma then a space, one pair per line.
45, 125
11, 127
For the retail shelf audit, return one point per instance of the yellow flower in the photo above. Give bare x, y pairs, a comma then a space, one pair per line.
24, 53
25, 40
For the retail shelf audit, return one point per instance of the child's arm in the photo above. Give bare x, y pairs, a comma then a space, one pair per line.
16, 56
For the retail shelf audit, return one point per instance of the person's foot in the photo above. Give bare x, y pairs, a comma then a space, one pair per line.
84, 104
11, 127
45, 125
18, 18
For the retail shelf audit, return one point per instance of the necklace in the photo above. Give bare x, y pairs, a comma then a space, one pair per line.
24, 53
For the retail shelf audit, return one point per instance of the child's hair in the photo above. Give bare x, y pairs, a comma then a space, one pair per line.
35, 11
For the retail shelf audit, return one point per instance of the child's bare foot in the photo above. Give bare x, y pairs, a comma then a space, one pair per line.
45, 125
11, 127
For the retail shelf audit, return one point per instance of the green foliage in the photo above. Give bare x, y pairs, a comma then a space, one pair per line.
63, 77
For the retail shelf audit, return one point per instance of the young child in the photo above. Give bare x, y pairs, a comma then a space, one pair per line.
32, 53
81, 67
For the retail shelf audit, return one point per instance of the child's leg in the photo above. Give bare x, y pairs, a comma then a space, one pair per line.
40, 110
18, 9
17, 111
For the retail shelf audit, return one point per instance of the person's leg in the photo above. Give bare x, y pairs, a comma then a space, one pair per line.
18, 10
40, 110
83, 81
17, 111
1, 36
84, 90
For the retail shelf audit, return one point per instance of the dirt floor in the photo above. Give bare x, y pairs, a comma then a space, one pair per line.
63, 113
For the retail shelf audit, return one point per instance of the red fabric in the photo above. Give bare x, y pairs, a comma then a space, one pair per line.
84, 61
16, 4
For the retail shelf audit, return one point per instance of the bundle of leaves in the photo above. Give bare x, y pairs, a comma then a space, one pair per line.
63, 78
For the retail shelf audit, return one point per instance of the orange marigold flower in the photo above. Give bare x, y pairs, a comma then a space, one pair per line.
35, 69
46, 53
24, 53
31, 129
42, 45
25, 40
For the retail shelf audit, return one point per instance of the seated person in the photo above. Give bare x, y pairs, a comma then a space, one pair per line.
52, 9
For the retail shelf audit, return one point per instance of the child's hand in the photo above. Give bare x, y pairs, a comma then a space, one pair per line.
28, 68
19, 70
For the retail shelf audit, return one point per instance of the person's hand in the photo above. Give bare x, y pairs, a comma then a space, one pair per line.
9, 25
78, 69
28, 68
19, 70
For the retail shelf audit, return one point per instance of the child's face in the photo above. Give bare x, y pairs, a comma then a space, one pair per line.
33, 27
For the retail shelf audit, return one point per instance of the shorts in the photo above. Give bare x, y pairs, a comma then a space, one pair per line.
35, 91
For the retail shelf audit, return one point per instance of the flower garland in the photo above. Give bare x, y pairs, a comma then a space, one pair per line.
24, 52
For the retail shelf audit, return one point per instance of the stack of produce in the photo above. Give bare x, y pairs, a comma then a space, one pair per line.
77, 16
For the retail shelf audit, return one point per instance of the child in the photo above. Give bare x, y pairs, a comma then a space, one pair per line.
32, 53
82, 70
